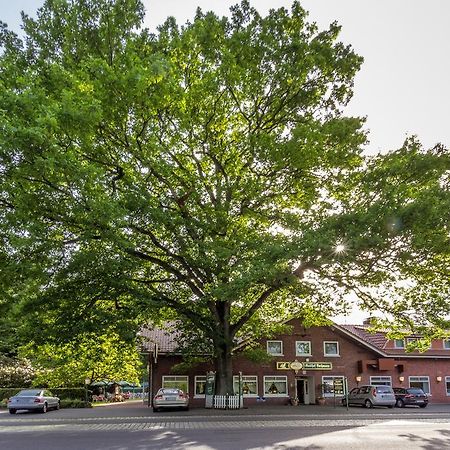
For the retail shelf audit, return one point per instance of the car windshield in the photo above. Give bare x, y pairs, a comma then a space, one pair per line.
169, 391
29, 393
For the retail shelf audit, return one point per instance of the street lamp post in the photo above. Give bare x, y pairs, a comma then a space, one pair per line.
87, 382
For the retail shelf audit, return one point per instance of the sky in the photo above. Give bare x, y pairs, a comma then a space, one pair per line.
403, 87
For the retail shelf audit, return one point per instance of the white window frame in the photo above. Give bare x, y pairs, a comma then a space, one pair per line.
246, 379
272, 379
185, 378
332, 378
447, 386
420, 379
444, 341
297, 353
376, 380
331, 355
275, 354
199, 379
397, 346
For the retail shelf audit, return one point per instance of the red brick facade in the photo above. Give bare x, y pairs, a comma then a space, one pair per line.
361, 358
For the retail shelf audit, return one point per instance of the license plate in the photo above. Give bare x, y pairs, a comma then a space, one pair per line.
170, 399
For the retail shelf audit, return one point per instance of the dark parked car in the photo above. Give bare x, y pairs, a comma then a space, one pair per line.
33, 400
410, 396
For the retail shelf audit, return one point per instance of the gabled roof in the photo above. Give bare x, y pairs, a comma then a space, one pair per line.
377, 341
166, 339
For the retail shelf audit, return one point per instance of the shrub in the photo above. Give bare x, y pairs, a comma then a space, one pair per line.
74, 393
75, 403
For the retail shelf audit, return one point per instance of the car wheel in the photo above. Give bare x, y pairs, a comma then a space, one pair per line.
155, 409
400, 403
12, 411
423, 406
390, 406
44, 408
368, 404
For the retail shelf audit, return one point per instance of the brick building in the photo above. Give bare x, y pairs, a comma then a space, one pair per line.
307, 362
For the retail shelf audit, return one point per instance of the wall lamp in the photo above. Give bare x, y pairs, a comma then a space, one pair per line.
358, 379
401, 379
438, 378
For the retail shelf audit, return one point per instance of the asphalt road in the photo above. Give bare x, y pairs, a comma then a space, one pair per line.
132, 426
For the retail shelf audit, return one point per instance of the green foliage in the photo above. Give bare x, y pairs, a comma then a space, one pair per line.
75, 403
205, 174
257, 355
6, 393
188, 363
97, 357
72, 393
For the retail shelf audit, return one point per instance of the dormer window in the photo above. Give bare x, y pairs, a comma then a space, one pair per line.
399, 343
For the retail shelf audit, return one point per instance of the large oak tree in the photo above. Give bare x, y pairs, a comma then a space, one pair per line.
206, 173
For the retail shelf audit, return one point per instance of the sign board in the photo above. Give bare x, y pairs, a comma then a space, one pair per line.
310, 365
338, 386
283, 365
306, 365
210, 388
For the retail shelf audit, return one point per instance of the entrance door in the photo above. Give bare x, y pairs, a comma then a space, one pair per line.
303, 391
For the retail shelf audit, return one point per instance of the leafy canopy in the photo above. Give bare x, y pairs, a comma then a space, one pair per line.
205, 173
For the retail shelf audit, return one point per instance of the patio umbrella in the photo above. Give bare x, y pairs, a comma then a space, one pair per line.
100, 383
123, 383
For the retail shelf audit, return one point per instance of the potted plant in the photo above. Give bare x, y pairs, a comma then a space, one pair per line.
320, 398
294, 401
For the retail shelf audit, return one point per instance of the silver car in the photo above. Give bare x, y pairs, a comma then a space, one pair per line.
33, 400
370, 396
170, 398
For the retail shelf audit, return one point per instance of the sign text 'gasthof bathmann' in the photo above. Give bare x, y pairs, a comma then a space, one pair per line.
306, 365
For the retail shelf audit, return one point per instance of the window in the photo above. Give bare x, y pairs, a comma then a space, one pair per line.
275, 348
446, 344
399, 343
331, 348
275, 386
381, 381
302, 348
412, 340
421, 383
249, 385
447, 385
328, 385
179, 382
199, 386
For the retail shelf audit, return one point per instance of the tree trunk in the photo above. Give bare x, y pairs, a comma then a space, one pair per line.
223, 346
224, 372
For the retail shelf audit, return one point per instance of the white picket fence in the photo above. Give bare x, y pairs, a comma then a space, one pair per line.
227, 402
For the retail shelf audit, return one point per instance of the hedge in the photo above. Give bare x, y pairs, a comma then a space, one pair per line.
73, 393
